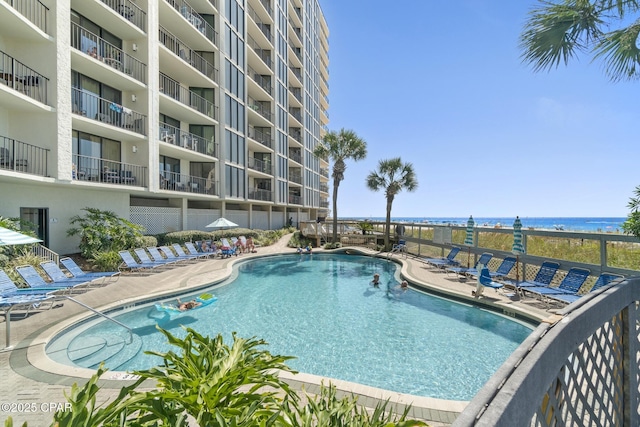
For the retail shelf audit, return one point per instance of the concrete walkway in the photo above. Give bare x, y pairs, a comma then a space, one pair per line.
32, 386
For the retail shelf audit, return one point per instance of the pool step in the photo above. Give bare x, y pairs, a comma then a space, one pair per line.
90, 351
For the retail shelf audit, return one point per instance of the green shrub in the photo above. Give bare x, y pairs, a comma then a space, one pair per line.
148, 241
107, 261
299, 241
24, 258
333, 245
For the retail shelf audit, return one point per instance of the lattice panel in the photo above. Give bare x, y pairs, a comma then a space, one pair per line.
156, 220
589, 389
197, 219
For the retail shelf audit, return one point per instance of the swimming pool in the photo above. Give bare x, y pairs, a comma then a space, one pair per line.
322, 309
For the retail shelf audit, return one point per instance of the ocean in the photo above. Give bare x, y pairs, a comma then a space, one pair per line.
604, 224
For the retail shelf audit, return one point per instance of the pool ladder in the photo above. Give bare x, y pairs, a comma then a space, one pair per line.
105, 316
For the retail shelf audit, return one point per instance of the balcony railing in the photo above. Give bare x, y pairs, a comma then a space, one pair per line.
260, 165
23, 79
261, 107
180, 138
33, 10
296, 112
259, 194
324, 188
296, 92
187, 183
324, 203
296, 156
183, 95
324, 172
297, 71
266, 5
195, 19
92, 106
100, 49
108, 171
296, 134
264, 54
265, 28
295, 200
188, 55
262, 135
262, 80
295, 177
22, 157
130, 11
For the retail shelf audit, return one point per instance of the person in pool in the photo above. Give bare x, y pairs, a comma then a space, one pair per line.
376, 280
184, 306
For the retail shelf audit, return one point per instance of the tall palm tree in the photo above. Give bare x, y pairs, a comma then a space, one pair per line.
393, 176
558, 31
338, 147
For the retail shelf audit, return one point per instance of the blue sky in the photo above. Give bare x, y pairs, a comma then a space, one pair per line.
441, 84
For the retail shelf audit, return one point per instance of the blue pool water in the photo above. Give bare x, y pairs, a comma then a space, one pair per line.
322, 309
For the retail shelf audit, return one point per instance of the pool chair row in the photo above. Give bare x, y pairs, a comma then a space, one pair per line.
152, 257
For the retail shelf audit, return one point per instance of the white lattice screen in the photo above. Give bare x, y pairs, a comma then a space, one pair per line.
156, 220
239, 217
197, 219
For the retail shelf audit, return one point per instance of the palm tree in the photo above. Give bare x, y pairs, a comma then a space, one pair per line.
558, 31
393, 176
339, 147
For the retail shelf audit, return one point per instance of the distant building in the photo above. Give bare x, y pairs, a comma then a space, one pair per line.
170, 113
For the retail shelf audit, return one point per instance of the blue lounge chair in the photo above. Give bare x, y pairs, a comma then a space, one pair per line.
571, 284
503, 269
57, 275
486, 280
603, 280
172, 256
131, 264
193, 250
9, 289
75, 270
544, 276
158, 260
36, 281
227, 249
484, 260
181, 253
449, 261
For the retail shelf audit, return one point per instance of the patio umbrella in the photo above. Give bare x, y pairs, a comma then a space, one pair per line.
10, 238
469, 239
517, 249
222, 224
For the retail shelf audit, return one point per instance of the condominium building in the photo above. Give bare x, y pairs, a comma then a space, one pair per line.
170, 113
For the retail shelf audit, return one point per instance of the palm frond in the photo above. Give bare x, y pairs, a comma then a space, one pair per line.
619, 50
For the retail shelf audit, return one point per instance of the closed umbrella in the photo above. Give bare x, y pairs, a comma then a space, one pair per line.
517, 249
469, 239
222, 224
10, 238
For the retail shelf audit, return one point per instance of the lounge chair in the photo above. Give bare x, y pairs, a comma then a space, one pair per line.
9, 289
36, 281
449, 261
181, 253
58, 276
193, 250
544, 276
75, 270
227, 249
158, 259
603, 280
502, 271
173, 257
131, 264
484, 260
571, 284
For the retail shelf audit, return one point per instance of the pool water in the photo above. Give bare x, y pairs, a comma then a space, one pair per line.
322, 309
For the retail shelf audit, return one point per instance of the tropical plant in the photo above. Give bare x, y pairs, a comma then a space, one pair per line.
11, 252
392, 176
632, 224
339, 147
104, 231
365, 226
559, 31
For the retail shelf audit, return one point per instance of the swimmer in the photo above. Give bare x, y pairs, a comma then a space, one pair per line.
376, 280
184, 306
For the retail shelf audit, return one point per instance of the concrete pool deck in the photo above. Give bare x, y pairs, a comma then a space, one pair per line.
28, 376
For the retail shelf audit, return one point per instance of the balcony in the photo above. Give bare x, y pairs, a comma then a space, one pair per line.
188, 55
295, 199
180, 138
296, 92
324, 188
174, 181
36, 12
297, 71
107, 171
259, 194
296, 134
100, 49
260, 165
130, 11
264, 81
195, 19
23, 79
324, 172
296, 112
296, 156
183, 95
261, 107
262, 135
263, 54
324, 203
108, 112
295, 177
297, 31
19, 156
265, 28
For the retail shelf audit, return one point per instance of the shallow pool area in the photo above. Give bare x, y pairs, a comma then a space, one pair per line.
322, 309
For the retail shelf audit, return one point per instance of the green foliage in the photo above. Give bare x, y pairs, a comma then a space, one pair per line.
107, 261
10, 252
147, 241
333, 245
366, 227
24, 258
299, 241
104, 231
632, 224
